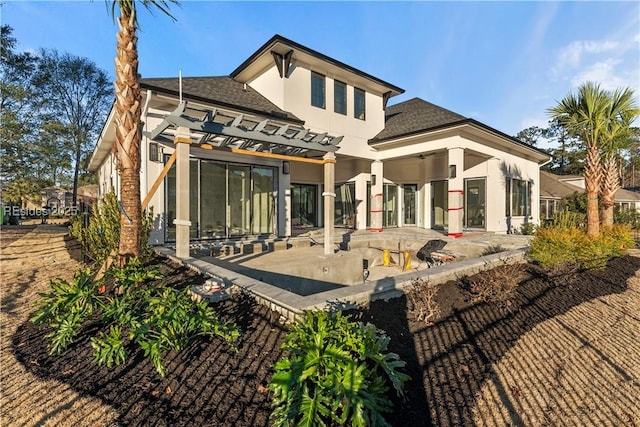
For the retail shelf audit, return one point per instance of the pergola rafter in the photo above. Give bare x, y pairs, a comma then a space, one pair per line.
229, 130
235, 132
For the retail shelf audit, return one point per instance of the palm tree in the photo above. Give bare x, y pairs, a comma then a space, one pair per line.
127, 117
622, 112
586, 114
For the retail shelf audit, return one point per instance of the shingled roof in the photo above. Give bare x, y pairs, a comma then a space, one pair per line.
551, 185
220, 91
414, 116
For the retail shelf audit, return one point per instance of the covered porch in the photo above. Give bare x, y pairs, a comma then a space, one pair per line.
198, 135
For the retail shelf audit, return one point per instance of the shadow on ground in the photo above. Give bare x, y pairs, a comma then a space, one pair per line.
210, 384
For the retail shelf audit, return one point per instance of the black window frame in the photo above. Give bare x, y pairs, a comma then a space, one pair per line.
357, 105
315, 94
340, 107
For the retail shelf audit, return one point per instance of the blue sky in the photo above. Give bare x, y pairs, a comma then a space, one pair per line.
502, 63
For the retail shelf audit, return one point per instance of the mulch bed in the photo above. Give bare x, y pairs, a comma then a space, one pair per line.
208, 383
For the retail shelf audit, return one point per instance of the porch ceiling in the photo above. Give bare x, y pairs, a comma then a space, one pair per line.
229, 130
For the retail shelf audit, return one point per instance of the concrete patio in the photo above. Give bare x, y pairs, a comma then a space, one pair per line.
292, 275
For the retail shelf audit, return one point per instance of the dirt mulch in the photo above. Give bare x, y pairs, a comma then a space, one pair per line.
565, 351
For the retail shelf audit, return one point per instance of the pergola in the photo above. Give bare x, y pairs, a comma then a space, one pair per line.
211, 129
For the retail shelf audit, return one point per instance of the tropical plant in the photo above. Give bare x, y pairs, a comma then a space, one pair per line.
128, 121
337, 371
585, 114
131, 311
598, 117
99, 232
65, 308
617, 135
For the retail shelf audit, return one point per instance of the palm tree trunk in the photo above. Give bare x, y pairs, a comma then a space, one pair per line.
592, 174
610, 184
128, 112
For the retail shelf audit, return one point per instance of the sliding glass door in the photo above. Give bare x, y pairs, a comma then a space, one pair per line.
390, 205
345, 207
409, 203
225, 200
474, 204
264, 207
304, 202
439, 204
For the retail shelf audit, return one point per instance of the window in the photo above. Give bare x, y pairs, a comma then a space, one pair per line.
339, 97
518, 197
358, 103
317, 90
154, 152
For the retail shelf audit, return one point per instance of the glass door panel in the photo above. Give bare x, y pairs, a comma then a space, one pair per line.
474, 205
238, 200
439, 204
345, 211
213, 185
390, 205
263, 203
409, 206
304, 205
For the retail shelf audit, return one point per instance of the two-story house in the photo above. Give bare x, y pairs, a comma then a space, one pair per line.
294, 138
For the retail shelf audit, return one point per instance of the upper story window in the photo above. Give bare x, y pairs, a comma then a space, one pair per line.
339, 97
317, 90
358, 103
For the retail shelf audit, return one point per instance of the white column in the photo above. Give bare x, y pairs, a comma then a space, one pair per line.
182, 222
284, 205
329, 196
456, 191
376, 202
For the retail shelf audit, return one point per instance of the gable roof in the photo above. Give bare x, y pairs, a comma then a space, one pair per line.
414, 116
281, 45
551, 185
221, 91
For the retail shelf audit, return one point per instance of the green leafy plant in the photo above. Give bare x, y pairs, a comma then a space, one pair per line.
132, 312
337, 371
65, 307
630, 217
527, 228
99, 233
567, 219
553, 246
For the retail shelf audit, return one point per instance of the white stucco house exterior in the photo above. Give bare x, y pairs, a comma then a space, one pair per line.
294, 138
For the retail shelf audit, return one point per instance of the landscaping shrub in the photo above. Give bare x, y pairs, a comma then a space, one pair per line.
497, 285
337, 371
559, 245
630, 217
567, 219
527, 228
131, 311
102, 234
422, 300
66, 307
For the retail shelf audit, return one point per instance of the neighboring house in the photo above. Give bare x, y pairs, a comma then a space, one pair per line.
555, 188
291, 132
56, 197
